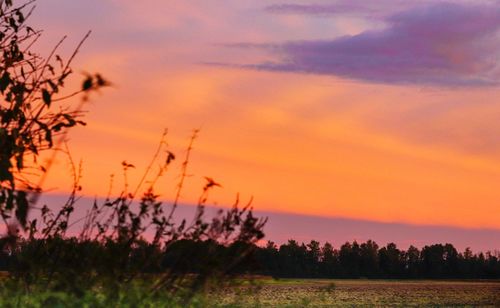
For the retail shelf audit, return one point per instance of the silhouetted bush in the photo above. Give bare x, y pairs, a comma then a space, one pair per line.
111, 253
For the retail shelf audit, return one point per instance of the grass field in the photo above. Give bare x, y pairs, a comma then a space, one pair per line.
381, 293
265, 292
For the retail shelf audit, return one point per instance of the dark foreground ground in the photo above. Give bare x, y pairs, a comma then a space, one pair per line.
380, 293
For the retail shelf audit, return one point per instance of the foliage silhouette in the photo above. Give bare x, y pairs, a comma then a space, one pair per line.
34, 115
111, 252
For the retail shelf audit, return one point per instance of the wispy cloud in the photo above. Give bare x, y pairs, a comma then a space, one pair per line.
341, 7
444, 44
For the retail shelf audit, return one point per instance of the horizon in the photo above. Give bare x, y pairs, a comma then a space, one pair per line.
335, 230
375, 114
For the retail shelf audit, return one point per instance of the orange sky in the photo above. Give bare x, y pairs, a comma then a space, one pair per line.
325, 144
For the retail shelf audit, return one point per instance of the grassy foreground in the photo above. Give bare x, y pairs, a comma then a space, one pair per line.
265, 292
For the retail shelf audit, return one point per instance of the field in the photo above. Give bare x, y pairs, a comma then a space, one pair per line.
326, 293
266, 292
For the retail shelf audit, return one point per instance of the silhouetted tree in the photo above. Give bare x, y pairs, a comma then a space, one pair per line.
293, 259
369, 266
313, 256
412, 262
390, 260
349, 259
434, 261
329, 261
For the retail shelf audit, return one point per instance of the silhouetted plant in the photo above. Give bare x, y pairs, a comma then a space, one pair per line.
112, 252
34, 115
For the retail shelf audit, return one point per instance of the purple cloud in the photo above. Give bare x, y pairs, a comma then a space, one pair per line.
442, 44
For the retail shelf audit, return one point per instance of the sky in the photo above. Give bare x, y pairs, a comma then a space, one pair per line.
382, 113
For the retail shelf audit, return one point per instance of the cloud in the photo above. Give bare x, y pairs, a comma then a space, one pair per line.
377, 9
341, 7
444, 44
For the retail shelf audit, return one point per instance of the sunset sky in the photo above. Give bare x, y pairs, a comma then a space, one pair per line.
381, 111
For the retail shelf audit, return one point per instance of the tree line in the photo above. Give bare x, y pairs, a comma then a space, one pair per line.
289, 260
369, 260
